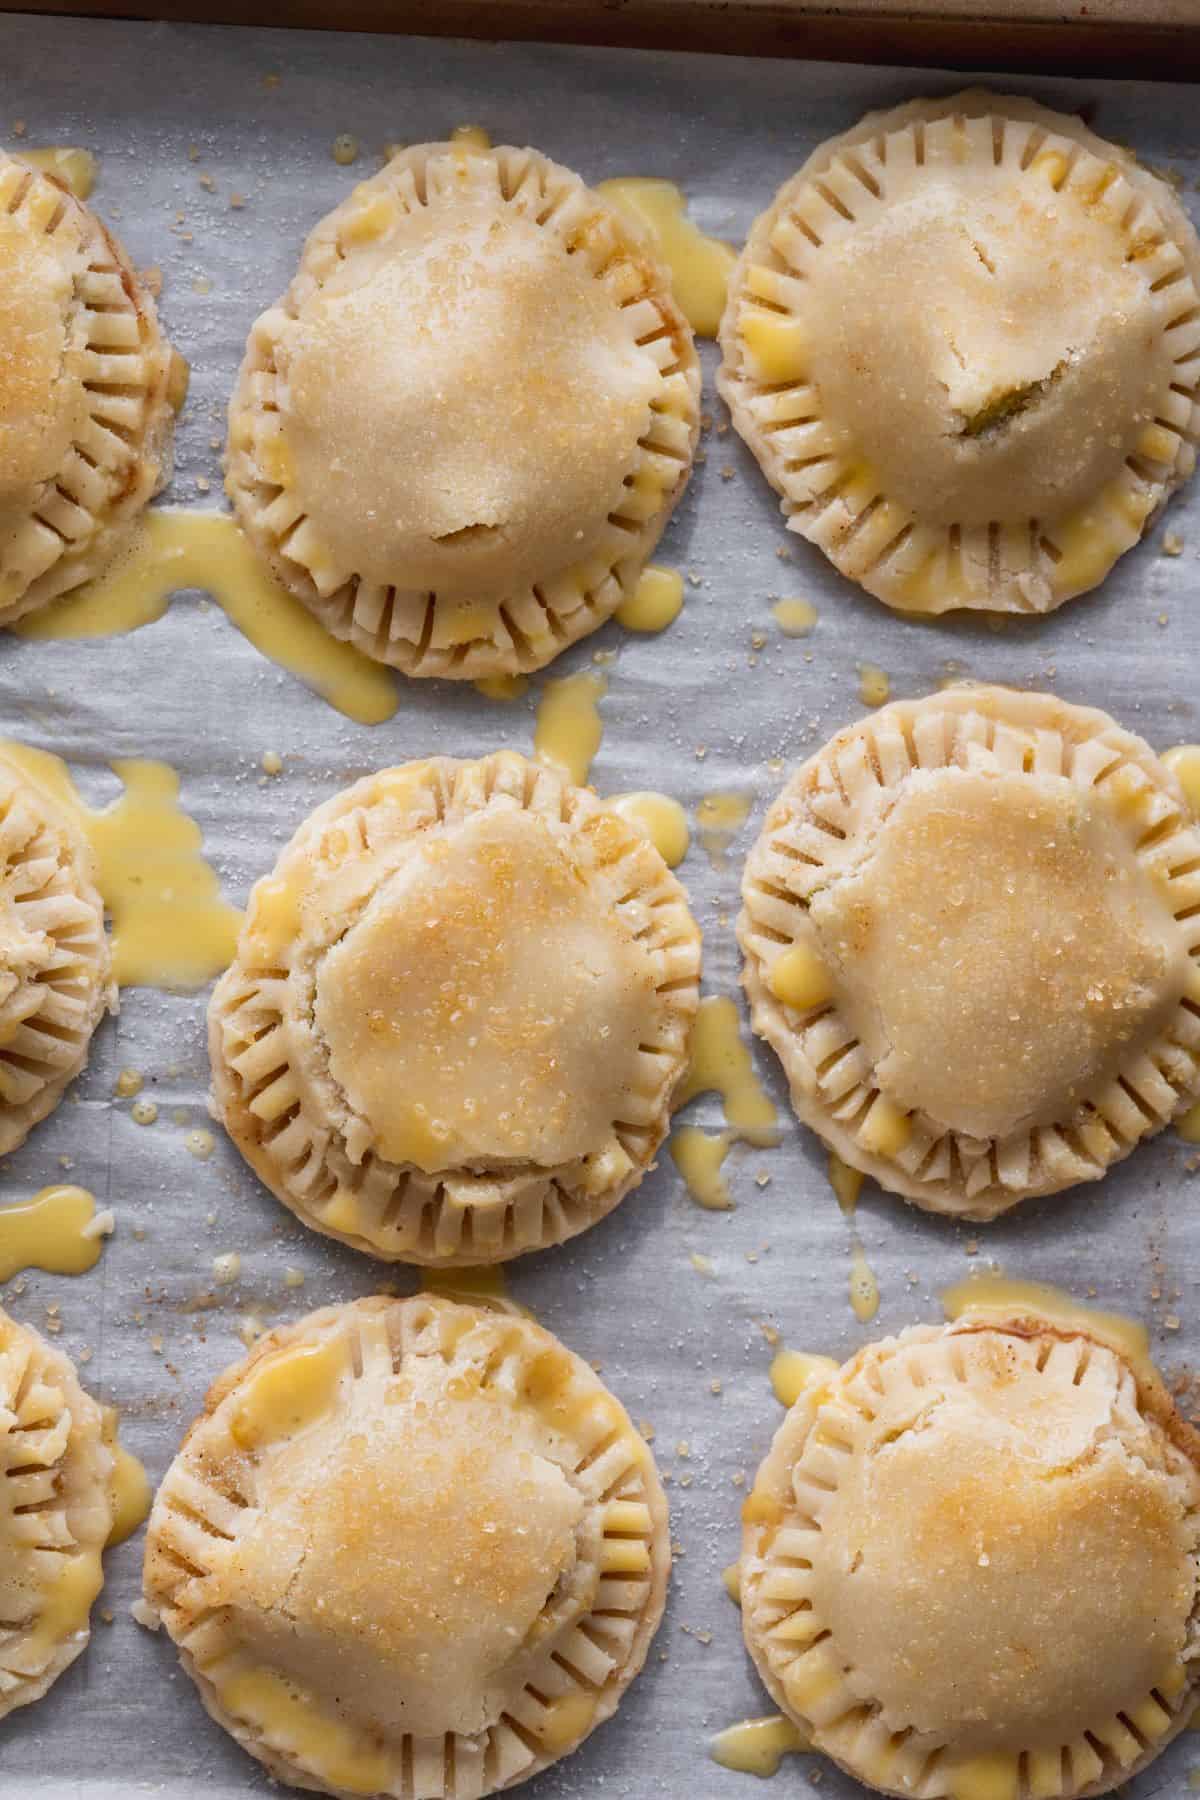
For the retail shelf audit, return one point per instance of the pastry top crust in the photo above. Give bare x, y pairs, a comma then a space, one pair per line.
55, 964
973, 1550
446, 1544
459, 434
88, 390
56, 1511
993, 423
980, 902
469, 989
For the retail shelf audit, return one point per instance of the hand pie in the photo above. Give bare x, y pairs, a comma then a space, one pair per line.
460, 433
458, 1013
55, 966
88, 392
970, 929
56, 1511
964, 345
969, 1563
410, 1549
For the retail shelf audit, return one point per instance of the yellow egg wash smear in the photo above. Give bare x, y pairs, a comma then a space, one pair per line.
75, 168
699, 1156
1184, 763
658, 818
721, 1064
291, 1716
864, 1289
795, 618
568, 728
130, 1485
479, 1285
77, 1578
58, 1231
501, 687
794, 1370
655, 602
718, 817
1188, 1124
288, 1393
874, 687
699, 266
171, 928
485, 1281
757, 1746
997, 1295
180, 547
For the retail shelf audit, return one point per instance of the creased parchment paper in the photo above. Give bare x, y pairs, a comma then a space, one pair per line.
689, 712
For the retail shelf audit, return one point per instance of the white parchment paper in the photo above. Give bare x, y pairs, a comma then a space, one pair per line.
694, 710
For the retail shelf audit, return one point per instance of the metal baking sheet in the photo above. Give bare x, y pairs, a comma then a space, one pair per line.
691, 711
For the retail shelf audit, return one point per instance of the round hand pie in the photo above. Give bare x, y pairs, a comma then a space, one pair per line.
969, 1565
55, 967
970, 928
56, 1511
88, 388
458, 1013
411, 1549
460, 433
964, 345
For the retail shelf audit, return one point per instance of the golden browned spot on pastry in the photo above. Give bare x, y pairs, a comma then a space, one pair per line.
458, 436
968, 934
1063, 978
86, 410
494, 982
58, 1513
994, 423
456, 1556
980, 1558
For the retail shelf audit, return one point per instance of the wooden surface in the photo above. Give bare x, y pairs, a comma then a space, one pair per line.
1115, 37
